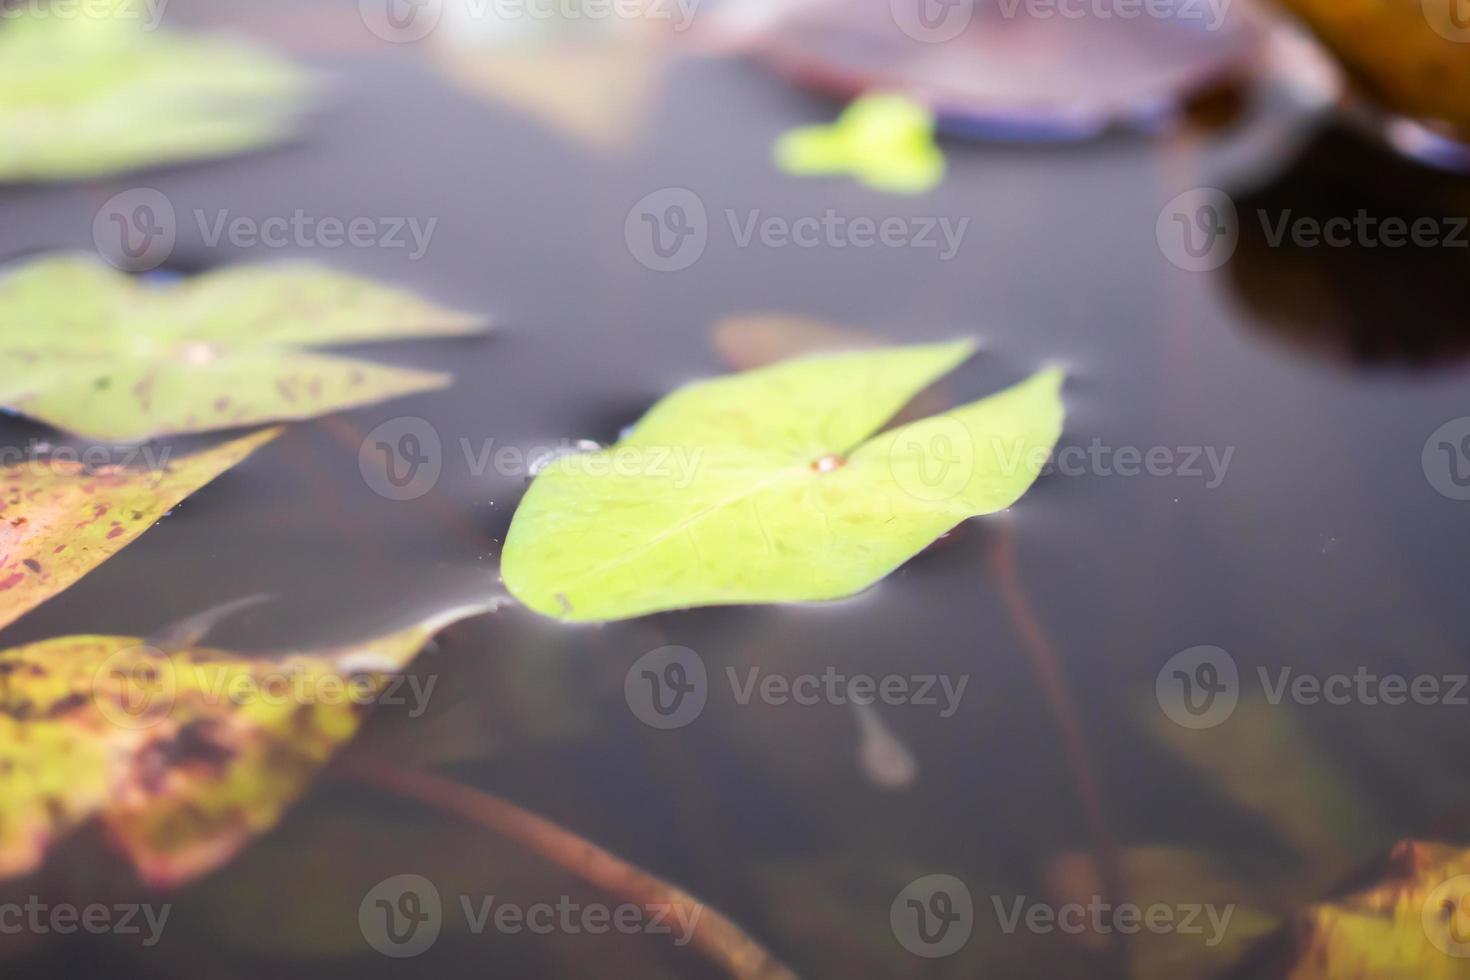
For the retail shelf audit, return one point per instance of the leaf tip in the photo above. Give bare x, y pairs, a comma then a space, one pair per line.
1051, 377
965, 347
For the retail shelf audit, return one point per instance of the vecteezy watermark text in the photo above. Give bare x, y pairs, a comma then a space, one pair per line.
1211, 14
402, 917
137, 687
938, 21
148, 12
1200, 230
669, 230
404, 459
934, 916
407, 21
1201, 687
138, 229
306, 231
35, 917
1207, 464
43, 458
669, 687
1099, 917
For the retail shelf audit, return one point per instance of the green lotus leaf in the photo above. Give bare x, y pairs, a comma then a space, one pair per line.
769, 486
86, 96
90, 350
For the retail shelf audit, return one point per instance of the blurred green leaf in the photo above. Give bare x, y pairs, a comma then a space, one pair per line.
83, 96
884, 141
94, 352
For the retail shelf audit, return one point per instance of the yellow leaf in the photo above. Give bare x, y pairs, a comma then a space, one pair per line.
181, 756
59, 519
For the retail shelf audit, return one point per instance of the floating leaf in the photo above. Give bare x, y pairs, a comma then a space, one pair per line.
1385, 47
59, 520
183, 756
755, 340
87, 96
597, 93
1267, 762
1000, 76
765, 487
885, 141
1232, 915
93, 351
1407, 917
758, 339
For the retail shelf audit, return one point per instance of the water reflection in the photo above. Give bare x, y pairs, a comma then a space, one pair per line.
1317, 268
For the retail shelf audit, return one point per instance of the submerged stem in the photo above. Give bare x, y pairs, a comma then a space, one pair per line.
1064, 709
716, 936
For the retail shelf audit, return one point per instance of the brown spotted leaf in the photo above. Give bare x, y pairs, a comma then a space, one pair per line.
90, 350
1408, 916
59, 520
181, 757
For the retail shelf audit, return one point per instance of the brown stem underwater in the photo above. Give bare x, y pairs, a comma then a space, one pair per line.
720, 939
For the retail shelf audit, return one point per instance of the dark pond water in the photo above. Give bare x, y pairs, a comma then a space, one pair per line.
1324, 539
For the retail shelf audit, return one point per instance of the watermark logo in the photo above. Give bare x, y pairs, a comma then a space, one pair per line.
936, 461
932, 21
1198, 230
667, 230
401, 916
1446, 917
136, 230
401, 21
933, 463
402, 459
1199, 688
933, 916
1450, 19
135, 688
1446, 459
667, 688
